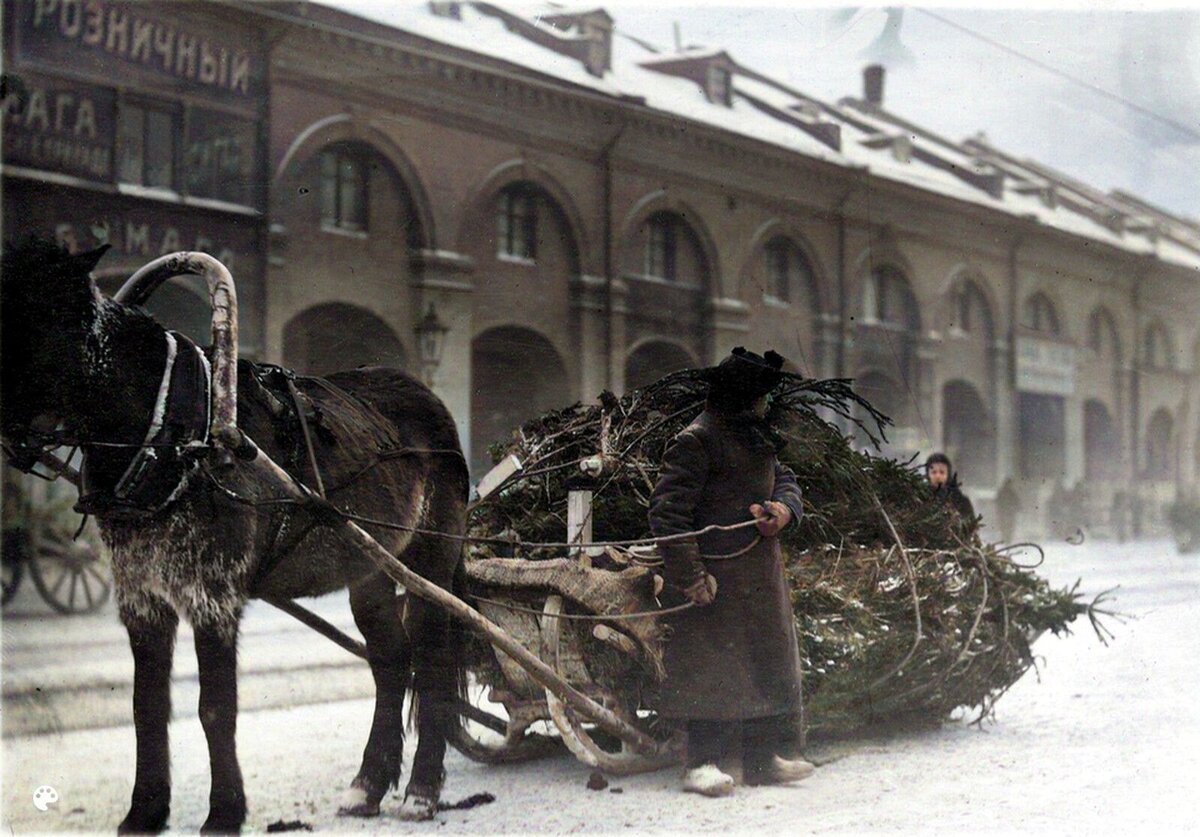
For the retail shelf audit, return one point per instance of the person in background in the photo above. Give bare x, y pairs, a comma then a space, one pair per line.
1118, 515
732, 661
1008, 506
944, 482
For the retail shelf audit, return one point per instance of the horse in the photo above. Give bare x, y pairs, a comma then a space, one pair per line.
194, 536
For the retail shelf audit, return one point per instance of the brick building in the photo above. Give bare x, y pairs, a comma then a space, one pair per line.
583, 212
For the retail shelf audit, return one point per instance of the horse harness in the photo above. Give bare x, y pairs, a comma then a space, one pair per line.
177, 438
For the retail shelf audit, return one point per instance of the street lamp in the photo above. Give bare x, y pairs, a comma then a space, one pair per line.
431, 340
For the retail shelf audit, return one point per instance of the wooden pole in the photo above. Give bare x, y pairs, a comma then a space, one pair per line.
543, 674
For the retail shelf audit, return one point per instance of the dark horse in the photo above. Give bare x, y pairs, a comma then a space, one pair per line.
80, 368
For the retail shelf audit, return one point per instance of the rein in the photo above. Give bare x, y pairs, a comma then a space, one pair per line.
177, 435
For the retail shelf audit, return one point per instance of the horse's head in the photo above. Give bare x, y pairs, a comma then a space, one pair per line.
48, 308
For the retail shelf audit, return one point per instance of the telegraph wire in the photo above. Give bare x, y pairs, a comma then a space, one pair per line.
1099, 91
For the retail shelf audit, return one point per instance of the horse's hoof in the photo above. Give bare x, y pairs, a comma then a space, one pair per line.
148, 816
136, 822
419, 805
226, 813
221, 825
355, 802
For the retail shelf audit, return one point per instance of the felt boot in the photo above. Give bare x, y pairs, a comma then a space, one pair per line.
708, 780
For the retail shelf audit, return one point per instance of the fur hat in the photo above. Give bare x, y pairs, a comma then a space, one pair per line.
744, 376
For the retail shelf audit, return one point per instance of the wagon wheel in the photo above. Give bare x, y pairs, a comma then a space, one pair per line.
623, 762
489, 739
13, 553
67, 573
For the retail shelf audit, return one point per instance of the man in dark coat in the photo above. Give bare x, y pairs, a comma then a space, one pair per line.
1008, 506
732, 662
944, 482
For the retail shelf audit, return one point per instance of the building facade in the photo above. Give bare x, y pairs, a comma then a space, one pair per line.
580, 218
140, 126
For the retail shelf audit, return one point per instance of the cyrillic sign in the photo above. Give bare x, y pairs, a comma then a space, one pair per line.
106, 38
1045, 366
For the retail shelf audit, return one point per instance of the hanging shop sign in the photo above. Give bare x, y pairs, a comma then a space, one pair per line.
1045, 366
59, 126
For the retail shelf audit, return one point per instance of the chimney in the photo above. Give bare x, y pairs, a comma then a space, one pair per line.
446, 8
873, 85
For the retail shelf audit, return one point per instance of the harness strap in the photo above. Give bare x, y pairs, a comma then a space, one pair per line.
159, 469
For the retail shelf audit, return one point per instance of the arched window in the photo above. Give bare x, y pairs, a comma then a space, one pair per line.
1102, 335
660, 246
1039, 315
972, 314
344, 188
1159, 465
516, 222
1158, 353
887, 299
789, 274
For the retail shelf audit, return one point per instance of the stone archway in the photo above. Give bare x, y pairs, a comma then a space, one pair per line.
516, 374
334, 336
968, 434
652, 360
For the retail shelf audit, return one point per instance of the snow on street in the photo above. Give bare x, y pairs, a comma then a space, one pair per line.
1106, 742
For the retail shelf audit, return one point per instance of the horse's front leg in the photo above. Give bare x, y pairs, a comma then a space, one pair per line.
151, 626
216, 655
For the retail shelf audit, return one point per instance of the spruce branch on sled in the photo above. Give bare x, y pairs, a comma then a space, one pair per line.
905, 614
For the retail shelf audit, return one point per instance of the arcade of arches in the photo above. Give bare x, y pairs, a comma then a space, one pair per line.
533, 325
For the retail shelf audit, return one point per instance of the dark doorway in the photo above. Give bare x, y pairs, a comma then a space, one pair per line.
1042, 435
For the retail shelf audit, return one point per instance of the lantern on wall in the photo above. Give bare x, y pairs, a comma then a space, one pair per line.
431, 341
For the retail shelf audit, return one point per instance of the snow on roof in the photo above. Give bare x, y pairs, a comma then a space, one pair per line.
934, 164
689, 53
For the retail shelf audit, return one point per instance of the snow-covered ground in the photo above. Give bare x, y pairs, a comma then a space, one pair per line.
1105, 740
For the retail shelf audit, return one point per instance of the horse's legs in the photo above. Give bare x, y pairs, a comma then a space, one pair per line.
377, 614
435, 684
216, 656
151, 627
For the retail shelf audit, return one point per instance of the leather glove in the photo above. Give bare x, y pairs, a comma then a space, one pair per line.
772, 516
681, 563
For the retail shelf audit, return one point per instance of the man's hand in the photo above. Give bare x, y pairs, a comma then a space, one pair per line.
702, 591
772, 517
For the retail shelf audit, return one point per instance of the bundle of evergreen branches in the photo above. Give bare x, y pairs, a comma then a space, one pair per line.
904, 615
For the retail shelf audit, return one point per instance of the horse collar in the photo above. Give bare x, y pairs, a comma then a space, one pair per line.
159, 469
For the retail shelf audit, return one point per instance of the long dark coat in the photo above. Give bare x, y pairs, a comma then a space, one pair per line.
737, 657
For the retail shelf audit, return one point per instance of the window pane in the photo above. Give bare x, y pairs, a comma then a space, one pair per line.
352, 194
528, 247
219, 157
130, 136
519, 224
328, 188
160, 148
656, 250
668, 249
503, 224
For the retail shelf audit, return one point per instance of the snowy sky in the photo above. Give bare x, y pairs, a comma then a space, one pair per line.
959, 83
1116, 102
